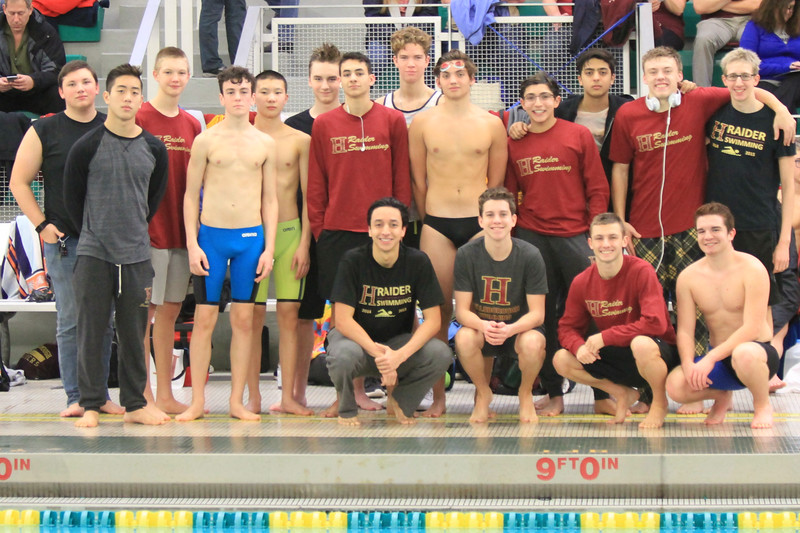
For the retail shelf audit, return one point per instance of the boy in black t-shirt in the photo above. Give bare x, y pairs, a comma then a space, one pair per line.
375, 294
500, 285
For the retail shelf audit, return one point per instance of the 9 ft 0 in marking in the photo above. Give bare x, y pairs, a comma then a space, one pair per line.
588, 467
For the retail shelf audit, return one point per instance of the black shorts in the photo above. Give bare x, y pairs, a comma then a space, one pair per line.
505, 349
618, 365
331, 247
312, 306
761, 245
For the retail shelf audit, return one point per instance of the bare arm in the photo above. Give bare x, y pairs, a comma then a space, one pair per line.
26, 166
687, 318
301, 261
619, 197
783, 118
675, 7
418, 155
195, 172
269, 209
498, 154
780, 258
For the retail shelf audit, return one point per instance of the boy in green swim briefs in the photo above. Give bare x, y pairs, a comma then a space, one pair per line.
291, 244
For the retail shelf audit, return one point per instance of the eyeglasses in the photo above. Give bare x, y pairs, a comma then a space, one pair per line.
456, 64
734, 77
544, 97
797, 163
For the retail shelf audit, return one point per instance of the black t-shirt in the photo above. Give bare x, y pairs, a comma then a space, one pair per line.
500, 288
302, 121
385, 298
57, 134
743, 166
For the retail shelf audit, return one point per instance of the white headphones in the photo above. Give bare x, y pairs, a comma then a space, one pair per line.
654, 104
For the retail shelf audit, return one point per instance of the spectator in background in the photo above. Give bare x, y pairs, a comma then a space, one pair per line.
81, 13
774, 35
286, 9
210, 15
668, 22
723, 21
29, 70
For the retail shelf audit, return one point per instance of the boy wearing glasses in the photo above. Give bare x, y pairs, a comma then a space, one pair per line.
557, 169
457, 149
746, 167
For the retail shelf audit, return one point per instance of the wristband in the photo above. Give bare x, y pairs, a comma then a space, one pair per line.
40, 227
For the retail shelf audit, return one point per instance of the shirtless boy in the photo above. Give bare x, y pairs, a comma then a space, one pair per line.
325, 83
731, 290
411, 55
456, 149
163, 117
635, 344
500, 285
291, 245
235, 165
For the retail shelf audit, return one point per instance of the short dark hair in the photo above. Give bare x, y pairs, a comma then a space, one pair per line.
236, 75
540, 78
388, 201
355, 56
272, 75
326, 53
497, 193
73, 66
125, 69
596, 53
716, 208
452, 55
604, 219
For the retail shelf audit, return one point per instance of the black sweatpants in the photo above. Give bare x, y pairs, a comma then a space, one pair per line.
101, 286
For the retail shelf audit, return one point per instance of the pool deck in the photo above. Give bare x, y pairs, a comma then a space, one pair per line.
575, 461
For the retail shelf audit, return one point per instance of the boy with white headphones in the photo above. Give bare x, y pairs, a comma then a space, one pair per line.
669, 180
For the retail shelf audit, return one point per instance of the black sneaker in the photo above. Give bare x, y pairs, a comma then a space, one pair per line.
213, 73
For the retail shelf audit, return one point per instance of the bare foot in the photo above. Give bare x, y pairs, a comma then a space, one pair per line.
238, 411
192, 413
71, 411
148, 415
775, 383
254, 404
552, 407
90, 419
527, 411
437, 409
367, 404
398, 413
171, 406
605, 407
542, 402
332, 411
111, 408
352, 421
640, 408
291, 407
624, 398
762, 417
716, 415
691, 408
480, 413
655, 417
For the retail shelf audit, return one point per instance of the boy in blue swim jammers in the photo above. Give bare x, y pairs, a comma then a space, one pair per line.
234, 163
